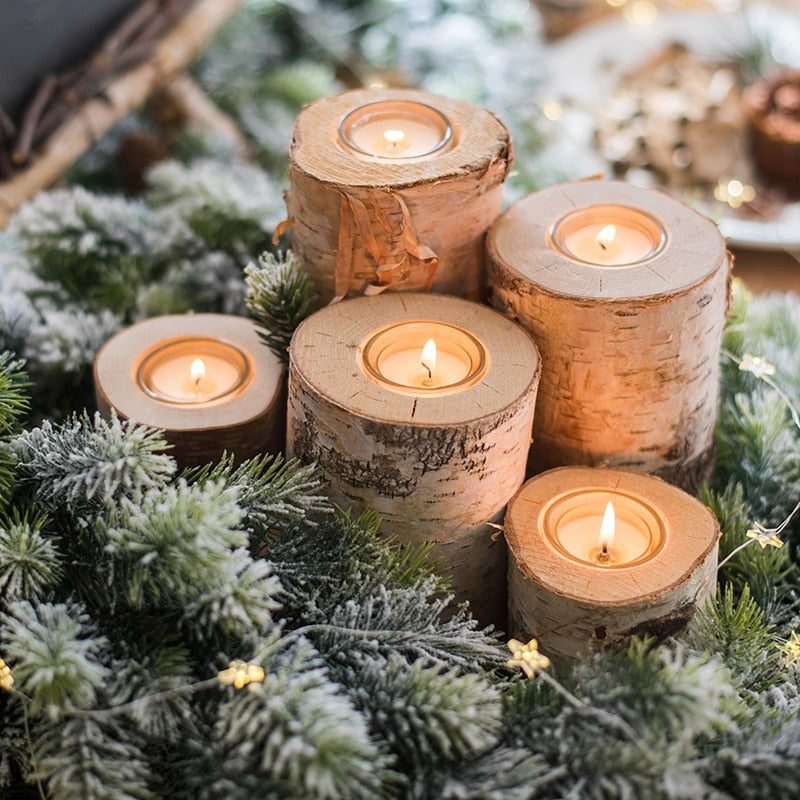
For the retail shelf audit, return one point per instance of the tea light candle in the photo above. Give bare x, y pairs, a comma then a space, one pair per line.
577, 580
207, 380
423, 358
608, 235
393, 190
437, 461
193, 370
625, 291
395, 129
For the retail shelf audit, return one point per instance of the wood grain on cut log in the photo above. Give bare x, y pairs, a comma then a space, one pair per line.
571, 606
246, 424
171, 53
362, 226
436, 468
630, 353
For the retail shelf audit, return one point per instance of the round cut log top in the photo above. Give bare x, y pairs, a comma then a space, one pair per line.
519, 252
690, 536
478, 138
324, 348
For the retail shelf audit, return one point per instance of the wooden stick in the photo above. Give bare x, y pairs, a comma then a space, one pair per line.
176, 48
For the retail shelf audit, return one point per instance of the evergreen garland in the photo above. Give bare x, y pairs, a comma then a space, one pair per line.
224, 633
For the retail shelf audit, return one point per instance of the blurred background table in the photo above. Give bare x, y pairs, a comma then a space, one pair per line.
763, 270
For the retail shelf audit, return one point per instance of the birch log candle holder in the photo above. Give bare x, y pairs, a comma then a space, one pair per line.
436, 443
207, 380
625, 291
393, 189
581, 575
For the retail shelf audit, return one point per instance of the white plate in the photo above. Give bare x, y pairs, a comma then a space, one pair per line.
585, 67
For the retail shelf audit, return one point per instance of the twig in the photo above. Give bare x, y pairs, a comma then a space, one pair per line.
22, 148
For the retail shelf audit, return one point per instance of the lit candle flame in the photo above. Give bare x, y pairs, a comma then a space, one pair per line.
605, 539
428, 358
393, 138
606, 236
197, 371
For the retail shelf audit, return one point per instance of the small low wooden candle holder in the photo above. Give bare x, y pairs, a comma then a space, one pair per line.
571, 601
362, 224
630, 345
243, 415
438, 459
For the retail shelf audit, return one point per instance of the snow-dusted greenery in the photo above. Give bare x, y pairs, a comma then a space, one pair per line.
128, 590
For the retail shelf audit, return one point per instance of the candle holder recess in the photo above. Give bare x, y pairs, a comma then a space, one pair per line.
207, 380
575, 584
393, 190
625, 291
436, 444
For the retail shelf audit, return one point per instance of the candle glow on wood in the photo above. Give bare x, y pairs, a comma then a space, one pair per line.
192, 370
395, 129
608, 235
423, 358
603, 528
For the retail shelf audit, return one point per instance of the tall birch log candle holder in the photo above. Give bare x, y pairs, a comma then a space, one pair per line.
207, 380
625, 291
393, 189
598, 555
435, 443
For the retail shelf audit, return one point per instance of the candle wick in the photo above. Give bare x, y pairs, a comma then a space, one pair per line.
602, 244
427, 369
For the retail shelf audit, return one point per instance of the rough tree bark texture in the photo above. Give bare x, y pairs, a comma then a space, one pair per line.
629, 354
246, 424
437, 469
363, 226
572, 607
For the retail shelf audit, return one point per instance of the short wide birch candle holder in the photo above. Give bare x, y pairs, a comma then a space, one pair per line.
393, 189
598, 555
207, 380
625, 291
436, 442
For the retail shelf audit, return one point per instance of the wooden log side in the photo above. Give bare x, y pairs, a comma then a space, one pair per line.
440, 205
572, 607
437, 469
630, 354
246, 424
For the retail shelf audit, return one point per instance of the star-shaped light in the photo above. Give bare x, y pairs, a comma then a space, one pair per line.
6, 678
791, 649
765, 537
758, 366
527, 657
240, 673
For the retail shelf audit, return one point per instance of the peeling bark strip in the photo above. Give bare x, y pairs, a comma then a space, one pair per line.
630, 354
570, 606
437, 469
365, 226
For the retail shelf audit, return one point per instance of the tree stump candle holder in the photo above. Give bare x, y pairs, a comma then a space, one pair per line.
625, 291
393, 189
207, 380
436, 444
581, 577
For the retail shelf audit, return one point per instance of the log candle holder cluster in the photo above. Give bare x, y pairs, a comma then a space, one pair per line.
625, 291
436, 443
582, 576
207, 380
393, 189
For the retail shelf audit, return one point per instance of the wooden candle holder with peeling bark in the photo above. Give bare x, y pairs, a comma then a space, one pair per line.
437, 467
363, 225
571, 606
629, 352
